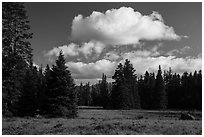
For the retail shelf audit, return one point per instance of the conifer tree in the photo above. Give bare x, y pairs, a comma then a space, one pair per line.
16, 53
104, 92
62, 97
118, 87
160, 93
45, 107
27, 105
199, 90
96, 95
131, 83
125, 93
87, 94
41, 85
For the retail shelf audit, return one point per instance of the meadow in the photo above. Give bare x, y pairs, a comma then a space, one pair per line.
107, 122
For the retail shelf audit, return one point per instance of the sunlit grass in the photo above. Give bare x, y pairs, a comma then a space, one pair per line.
92, 121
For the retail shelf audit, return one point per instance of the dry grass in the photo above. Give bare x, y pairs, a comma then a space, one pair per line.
92, 121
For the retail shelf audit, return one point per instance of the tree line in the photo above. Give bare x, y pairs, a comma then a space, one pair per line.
149, 91
29, 91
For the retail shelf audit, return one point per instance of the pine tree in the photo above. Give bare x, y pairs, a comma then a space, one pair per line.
96, 95
62, 98
131, 83
87, 94
199, 90
48, 80
118, 87
27, 105
104, 92
185, 90
81, 95
144, 90
173, 90
16, 53
125, 93
160, 93
41, 85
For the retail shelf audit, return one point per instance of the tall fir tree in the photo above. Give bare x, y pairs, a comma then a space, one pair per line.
62, 98
131, 83
160, 93
125, 93
16, 53
96, 95
146, 87
198, 87
45, 107
118, 88
104, 92
41, 85
27, 105
87, 94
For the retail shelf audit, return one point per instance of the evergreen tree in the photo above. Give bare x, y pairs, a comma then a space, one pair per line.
104, 92
87, 94
27, 105
118, 87
16, 53
198, 87
185, 90
45, 107
160, 93
62, 98
82, 95
96, 95
131, 83
173, 91
41, 85
125, 93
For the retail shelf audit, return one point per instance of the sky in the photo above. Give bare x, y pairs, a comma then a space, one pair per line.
96, 37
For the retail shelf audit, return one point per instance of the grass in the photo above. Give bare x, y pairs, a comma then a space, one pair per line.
99, 121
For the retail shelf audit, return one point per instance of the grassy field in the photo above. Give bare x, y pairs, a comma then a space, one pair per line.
99, 121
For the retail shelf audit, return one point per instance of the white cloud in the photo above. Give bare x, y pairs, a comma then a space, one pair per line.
141, 60
150, 63
112, 56
121, 26
91, 70
183, 50
172, 52
93, 46
142, 53
73, 49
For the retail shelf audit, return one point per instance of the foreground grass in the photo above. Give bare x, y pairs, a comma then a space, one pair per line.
92, 121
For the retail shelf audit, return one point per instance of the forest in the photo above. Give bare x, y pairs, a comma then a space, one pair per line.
50, 91
46, 100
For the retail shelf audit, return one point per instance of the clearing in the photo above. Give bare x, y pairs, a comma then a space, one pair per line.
99, 121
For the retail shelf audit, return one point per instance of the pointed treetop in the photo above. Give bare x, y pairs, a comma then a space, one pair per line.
159, 67
146, 73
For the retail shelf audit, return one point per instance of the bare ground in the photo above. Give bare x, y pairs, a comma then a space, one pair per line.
99, 121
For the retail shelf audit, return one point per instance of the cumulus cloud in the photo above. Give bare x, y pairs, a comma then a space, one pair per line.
121, 26
71, 50
183, 50
93, 46
74, 49
112, 56
93, 69
142, 53
142, 61
178, 65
